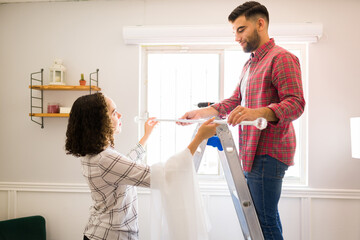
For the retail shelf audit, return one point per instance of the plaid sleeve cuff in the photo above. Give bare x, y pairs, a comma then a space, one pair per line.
286, 114
140, 148
137, 153
220, 109
280, 113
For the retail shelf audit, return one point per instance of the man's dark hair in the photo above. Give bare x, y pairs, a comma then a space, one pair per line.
249, 9
89, 129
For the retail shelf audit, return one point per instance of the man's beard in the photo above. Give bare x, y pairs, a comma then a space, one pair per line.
253, 43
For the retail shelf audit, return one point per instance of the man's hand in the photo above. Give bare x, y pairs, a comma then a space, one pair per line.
241, 113
199, 113
195, 114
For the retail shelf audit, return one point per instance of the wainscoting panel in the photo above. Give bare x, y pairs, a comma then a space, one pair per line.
224, 223
290, 215
66, 213
335, 219
307, 214
3, 205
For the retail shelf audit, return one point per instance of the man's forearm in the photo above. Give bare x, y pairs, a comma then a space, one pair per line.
208, 112
268, 114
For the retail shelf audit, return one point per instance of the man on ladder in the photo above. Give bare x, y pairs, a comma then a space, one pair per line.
270, 87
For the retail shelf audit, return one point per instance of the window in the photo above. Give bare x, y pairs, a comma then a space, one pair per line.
176, 78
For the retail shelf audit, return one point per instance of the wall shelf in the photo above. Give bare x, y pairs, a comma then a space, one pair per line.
64, 87
37, 100
59, 115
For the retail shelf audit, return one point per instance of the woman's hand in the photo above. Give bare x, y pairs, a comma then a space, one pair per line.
206, 130
149, 127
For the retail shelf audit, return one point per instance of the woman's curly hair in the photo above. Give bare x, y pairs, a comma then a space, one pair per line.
89, 129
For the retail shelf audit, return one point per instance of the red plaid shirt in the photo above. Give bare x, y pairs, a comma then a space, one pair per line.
275, 82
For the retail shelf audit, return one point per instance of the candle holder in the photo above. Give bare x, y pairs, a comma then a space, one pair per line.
57, 73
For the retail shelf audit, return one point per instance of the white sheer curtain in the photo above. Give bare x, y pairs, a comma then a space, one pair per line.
177, 211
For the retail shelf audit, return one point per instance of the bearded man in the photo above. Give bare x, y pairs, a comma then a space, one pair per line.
270, 87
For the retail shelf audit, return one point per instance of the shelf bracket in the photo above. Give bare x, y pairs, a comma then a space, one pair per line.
93, 79
37, 77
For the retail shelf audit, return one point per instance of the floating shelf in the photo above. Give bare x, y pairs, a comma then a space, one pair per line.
64, 87
60, 115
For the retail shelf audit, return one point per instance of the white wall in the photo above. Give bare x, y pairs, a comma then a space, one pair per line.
88, 35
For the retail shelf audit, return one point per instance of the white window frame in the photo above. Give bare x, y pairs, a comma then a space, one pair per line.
303, 134
307, 33
219, 49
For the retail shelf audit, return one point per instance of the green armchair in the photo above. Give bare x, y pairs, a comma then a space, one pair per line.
29, 228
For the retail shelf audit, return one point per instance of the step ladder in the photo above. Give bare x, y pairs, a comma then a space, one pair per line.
239, 192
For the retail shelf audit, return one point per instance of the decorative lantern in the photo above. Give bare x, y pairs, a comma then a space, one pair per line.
57, 73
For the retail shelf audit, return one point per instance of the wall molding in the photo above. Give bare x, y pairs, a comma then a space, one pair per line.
217, 33
44, 187
209, 189
215, 188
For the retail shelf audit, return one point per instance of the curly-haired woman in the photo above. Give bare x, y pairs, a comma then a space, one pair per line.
111, 176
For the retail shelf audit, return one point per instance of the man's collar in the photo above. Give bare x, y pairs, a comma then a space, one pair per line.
262, 50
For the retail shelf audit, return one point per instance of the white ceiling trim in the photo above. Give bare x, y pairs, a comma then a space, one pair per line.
36, 1
292, 32
31, 1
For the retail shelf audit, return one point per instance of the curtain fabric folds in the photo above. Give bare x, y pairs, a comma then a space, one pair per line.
177, 211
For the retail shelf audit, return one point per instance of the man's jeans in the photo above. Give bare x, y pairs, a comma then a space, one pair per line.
265, 182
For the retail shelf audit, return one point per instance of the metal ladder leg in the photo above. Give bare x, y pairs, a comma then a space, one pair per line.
238, 188
236, 182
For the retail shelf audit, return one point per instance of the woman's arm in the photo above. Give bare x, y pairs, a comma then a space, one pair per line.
206, 130
149, 126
